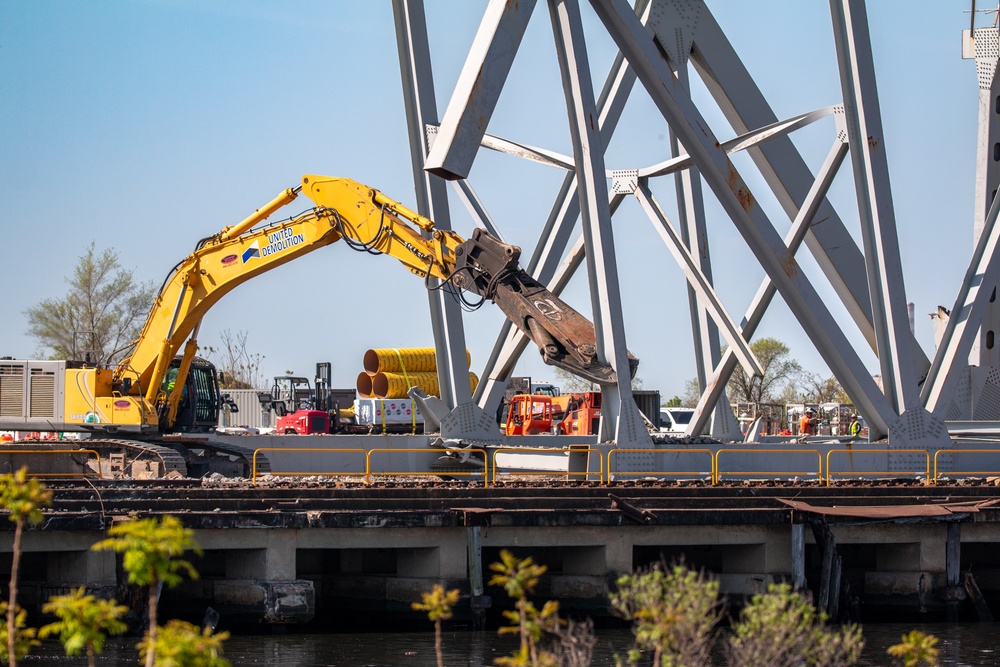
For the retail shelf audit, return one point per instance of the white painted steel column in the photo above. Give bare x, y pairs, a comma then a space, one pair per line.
682, 20
878, 218
620, 418
432, 195
736, 198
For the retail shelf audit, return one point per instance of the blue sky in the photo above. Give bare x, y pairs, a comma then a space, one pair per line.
147, 125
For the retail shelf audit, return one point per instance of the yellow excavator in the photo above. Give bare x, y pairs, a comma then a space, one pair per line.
163, 388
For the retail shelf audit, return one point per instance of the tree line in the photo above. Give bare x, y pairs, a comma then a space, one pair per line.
783, 381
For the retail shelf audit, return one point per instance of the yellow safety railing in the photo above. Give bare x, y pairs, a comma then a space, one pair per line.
58, 451
645, 450
311, 450
771, 473
994, 471
884, 473
429, 473
551, 452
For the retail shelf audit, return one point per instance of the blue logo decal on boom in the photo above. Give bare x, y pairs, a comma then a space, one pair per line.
251, 252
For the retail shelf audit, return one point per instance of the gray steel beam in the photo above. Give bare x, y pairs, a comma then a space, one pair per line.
620, 419
510, 342
475, 207
966, 317
735, 197
744, 141
805, 217
985, 49
694, 234
478, 89
432, 195
683, 20
697, 280
783, 168
878, 218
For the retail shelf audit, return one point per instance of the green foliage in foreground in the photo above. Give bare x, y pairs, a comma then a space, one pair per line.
916, 648
673, 613
23, 498
438, 605
151, 550
24, 637
782, 628
182, 644
84, 622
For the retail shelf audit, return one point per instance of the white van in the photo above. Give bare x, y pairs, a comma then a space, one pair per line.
674, 421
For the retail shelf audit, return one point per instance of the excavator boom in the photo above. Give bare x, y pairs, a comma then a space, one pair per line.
368, 221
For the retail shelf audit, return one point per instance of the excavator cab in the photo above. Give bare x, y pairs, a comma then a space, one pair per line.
201, 399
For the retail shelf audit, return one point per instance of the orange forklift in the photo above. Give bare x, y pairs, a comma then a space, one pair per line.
568, 414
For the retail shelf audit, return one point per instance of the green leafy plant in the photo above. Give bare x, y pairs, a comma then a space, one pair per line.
916, 648
19, 642
84, 622
23, 498
782, 628
181, 644
151, 551
438, 604
519, 577
673, 613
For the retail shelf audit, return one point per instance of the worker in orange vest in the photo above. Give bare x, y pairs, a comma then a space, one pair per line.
806, 423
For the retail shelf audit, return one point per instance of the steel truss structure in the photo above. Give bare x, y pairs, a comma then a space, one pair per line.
660, 42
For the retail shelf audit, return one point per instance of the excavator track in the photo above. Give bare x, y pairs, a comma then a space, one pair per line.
205, 457
120, 459
139, 459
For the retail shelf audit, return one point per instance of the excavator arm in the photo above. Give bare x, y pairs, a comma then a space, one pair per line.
483, 265
369, 221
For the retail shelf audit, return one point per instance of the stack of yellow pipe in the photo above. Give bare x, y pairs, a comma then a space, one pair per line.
390, 372
395, 385
403, 360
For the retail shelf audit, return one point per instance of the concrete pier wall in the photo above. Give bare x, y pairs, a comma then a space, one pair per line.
284, 575
301, 553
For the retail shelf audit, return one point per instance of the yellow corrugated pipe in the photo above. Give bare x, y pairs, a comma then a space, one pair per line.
364, 385
395, 385
403, 360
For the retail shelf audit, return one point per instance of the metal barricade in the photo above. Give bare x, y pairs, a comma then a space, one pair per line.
963, 472
97, 456
666, 473
771, 473
429, 473
885, 473
568, 451
312, 450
